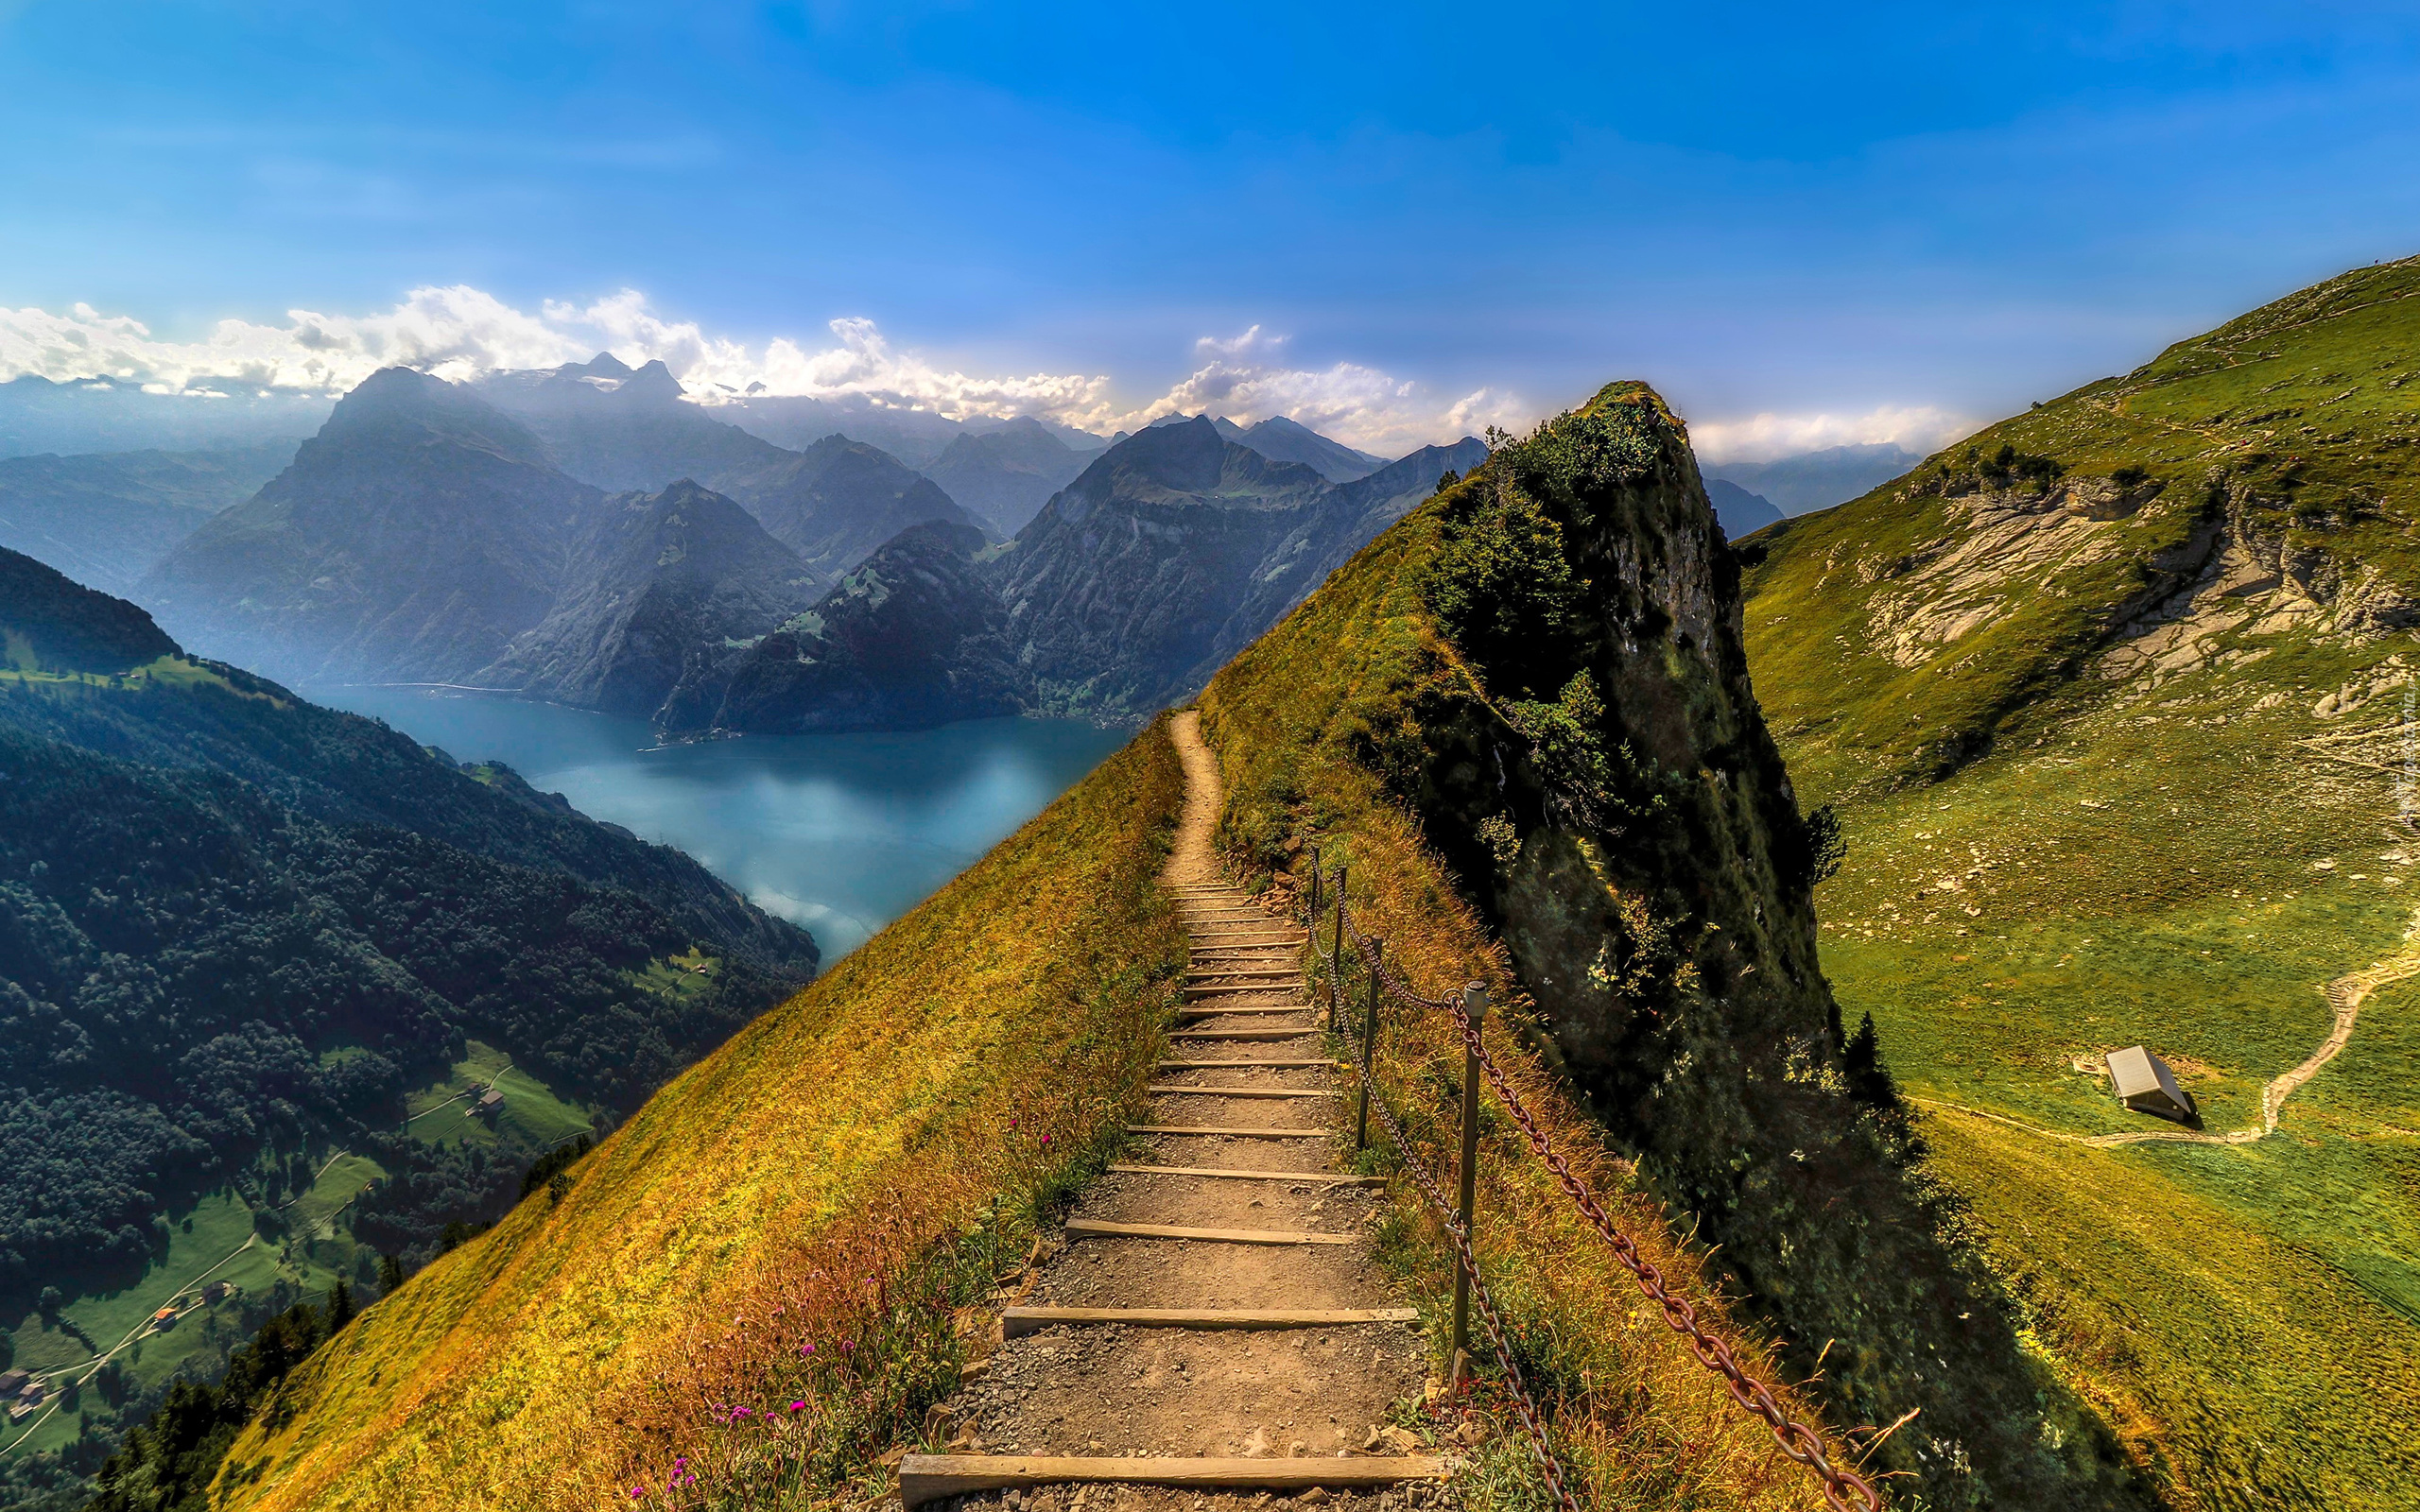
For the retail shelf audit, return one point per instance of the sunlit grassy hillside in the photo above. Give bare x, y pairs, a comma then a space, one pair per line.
2116, 700
749, 1287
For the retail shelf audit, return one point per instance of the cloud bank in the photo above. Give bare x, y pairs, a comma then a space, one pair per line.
461, 332
1766, 438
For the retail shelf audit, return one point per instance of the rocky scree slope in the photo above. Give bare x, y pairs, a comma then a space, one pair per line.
1547, 672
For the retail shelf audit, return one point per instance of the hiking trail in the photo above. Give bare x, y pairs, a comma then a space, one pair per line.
1214, 1324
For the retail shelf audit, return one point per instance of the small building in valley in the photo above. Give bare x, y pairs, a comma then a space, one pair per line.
490, 1103
13, 1381
2146, 1085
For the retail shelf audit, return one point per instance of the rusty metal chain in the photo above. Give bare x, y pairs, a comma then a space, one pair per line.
1844, 1490
1796, 1439
1541, 1450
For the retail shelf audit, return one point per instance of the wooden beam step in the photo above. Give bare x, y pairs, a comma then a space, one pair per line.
1305, 1032
1249, 971
1016, 1322
1212, 1010
1242, 1091
1229, 990
1268, 1065
1236, 1133
1330, 1179
1097, 1228
933, 1477
1255, 934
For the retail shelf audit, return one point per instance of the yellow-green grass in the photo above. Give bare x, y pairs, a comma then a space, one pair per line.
532, 1117
2137, 861
797, 1188
1640, 1420
2227, 1302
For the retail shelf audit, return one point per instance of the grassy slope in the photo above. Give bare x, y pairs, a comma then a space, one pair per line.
1646, 1424
790, 1190
2052, 855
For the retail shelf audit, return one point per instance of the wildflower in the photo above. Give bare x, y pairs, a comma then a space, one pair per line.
798, 1406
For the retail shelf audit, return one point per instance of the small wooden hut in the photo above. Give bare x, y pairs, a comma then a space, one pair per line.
2146, 1085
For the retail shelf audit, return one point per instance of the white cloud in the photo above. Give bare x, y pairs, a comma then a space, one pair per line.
458, 332
1921, 429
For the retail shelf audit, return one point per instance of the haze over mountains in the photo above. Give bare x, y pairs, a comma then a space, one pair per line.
463, 535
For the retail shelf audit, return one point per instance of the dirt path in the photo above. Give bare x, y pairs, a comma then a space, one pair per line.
1212, 1324
2344, 996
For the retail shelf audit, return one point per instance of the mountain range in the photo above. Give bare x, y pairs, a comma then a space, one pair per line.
1814, 480
438, 533
104, 519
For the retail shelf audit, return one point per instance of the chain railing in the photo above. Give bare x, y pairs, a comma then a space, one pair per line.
1844, 1490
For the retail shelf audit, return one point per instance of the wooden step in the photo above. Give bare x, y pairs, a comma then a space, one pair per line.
931, 1477
1277, 930
1199, 994
1266, 1065
1212, 1010
1250, 970
1097, 1228
1330, 1179
1241, 1092
1016, 1322
1244, 1033
1238, 1133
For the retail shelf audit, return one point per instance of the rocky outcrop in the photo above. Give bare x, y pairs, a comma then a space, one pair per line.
915, 637
655, 581
1616, 807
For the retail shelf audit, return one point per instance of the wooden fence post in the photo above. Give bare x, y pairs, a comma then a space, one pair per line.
1475, 1008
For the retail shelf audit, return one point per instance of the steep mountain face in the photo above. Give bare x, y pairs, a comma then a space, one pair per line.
623, 429
1120, 588
1284, 441
106, 519
655, 582
2114, 699
1815, 480
411, 541
1740, 512
914, 637
838, 500
1545, 667
1007, 475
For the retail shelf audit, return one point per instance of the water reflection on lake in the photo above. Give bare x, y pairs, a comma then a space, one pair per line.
841, 834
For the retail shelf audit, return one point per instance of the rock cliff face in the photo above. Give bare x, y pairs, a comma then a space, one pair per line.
915, 637
1120, 588
1007, 475
839, 499
1609, 794
411, 541
656, 581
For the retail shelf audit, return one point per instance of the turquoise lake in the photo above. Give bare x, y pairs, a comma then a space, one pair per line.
841, 834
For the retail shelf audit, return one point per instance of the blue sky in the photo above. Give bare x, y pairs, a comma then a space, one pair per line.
1797, 210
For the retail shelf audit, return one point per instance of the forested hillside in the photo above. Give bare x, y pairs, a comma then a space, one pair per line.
2114, 702
248, 949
